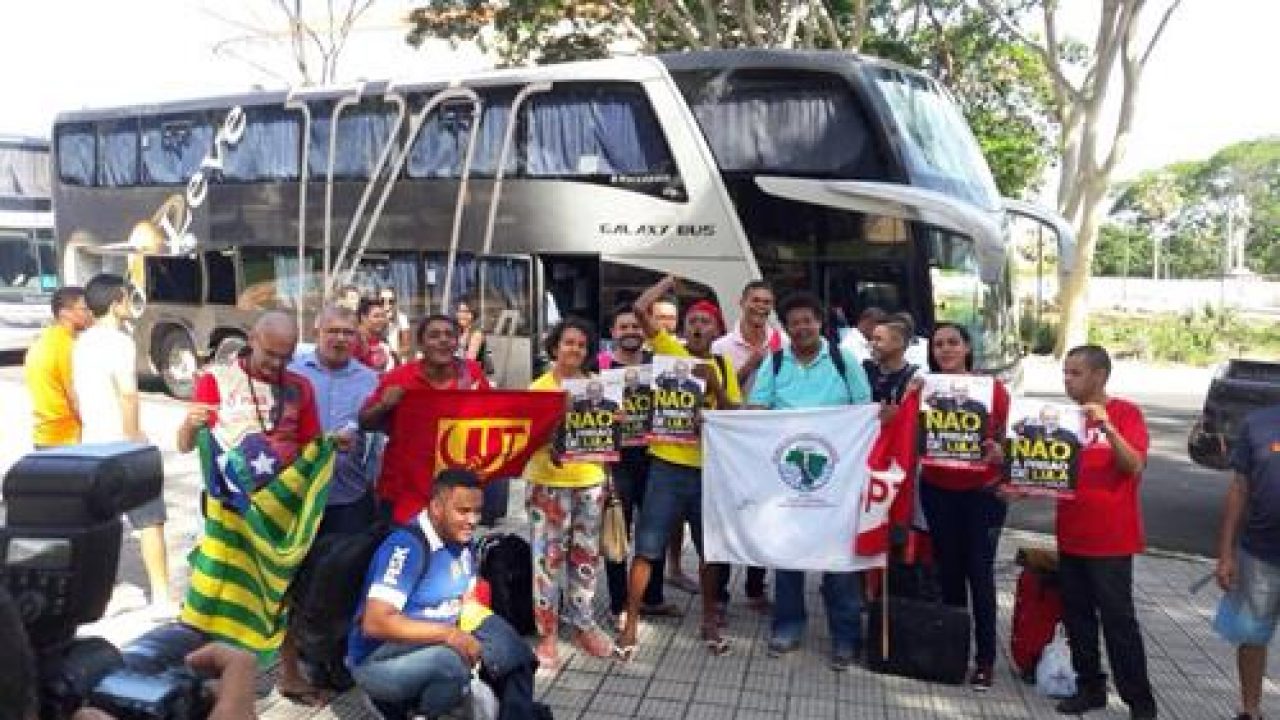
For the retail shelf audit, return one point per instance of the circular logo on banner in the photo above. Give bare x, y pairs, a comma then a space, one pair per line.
805, 462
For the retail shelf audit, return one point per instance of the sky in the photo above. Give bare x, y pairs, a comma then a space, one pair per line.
1204, 88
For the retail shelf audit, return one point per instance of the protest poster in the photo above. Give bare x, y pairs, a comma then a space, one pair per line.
593, 422
955, 419
677, 398
637, 401
1042, 453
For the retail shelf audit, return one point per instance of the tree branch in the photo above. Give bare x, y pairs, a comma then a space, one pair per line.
683, 22
1155, 37
711, 23
1051, 61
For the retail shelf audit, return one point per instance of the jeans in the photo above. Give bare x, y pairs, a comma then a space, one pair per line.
672, 493
433, 679
841, 595
427, 679
629, 478
1101, 589
965, 528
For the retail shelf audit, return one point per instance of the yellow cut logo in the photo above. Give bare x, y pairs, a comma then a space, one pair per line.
482, 445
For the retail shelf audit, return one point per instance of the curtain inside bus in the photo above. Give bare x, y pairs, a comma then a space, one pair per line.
441, 145
791, 124
24, 172
173, 147
76, 148
593, 132
362, 135
118, 153
270, 148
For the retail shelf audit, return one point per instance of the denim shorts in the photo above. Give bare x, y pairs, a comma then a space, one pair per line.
148, 514
672, 493
1247, 615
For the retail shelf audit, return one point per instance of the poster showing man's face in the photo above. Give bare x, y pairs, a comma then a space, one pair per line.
960, 391
681, 370
1049, 418
595, 391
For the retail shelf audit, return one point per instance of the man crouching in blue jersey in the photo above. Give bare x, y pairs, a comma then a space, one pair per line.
419, 631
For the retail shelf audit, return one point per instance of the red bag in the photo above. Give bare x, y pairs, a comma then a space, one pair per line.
1037, 610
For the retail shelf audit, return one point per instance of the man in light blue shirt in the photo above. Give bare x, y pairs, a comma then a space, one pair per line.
808, 374
341, 384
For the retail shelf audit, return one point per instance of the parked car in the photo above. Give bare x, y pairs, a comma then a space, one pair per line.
1238, 388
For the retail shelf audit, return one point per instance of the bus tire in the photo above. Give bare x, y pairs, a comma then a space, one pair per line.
177, 363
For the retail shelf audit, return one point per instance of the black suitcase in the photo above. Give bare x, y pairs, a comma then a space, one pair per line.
506, 561
927, 640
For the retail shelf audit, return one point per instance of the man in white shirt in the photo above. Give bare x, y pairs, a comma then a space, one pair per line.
102, 372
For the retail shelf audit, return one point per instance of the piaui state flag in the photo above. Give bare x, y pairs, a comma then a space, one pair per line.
255, 537
783, 488
491, 433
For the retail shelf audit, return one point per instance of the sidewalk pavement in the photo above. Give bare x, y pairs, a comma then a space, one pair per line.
672, 675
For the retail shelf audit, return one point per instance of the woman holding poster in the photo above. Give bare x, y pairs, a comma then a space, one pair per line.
960, 468
566, 507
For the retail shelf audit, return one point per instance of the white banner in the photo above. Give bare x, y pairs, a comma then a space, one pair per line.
781, 488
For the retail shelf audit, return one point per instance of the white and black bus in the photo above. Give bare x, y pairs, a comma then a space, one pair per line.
541, 192
28, 266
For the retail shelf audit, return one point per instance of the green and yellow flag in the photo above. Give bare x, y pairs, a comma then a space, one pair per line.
250, 550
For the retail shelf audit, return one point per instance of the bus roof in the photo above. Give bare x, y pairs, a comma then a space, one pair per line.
24, 142
829, 60
633, 69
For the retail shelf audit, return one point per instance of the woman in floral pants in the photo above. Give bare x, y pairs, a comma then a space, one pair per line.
566, 507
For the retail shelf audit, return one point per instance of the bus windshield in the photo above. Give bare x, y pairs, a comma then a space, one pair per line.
940, 153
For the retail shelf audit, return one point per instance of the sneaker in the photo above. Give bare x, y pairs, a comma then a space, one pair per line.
980, 679
1082, 702
779, 647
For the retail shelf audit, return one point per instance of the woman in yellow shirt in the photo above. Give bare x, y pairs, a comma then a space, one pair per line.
566, 507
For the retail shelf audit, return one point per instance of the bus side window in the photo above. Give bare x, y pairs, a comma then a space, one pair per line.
75, 154
173, 147
441, 145
363, 132
118, 153
593, 130
270, 148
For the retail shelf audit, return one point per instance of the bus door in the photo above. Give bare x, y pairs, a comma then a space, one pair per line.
569, 286
499, 292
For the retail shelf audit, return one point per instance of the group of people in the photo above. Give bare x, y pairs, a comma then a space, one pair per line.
417, 637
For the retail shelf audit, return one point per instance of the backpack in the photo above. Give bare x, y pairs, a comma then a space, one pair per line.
325, 594
1037, 609
506, 562
837, 359
893, 393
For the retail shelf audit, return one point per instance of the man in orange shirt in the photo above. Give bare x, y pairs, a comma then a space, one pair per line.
48, 371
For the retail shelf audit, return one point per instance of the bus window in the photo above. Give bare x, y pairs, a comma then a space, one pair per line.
20, 264
118, 153
24, 173
173, 147
783, 121
77, 153
597, 130
363, 131
441, 145
620, 285
271, 279
270, 148
173, 280
506, 290
220, 271
962, 297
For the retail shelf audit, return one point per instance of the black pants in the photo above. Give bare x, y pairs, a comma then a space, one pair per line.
965, 529
629, 478
754, 585
1100, 589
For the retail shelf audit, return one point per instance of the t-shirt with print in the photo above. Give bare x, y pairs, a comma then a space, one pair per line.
691, 455
424, 581
405, 481
1256, 456
1104, 519
47, 371
268, 419
541, 471
102, 368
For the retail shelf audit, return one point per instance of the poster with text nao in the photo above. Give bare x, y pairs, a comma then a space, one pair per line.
593, 423
677, 397
955, 419
1042, 450
637, 401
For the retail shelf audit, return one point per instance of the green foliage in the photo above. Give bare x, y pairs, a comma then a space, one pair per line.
1198, 338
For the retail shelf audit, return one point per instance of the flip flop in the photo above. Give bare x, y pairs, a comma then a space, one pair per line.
624, 653
715, 643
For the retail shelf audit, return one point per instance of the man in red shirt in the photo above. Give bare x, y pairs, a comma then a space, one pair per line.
372, 348
405, 481
1099, 531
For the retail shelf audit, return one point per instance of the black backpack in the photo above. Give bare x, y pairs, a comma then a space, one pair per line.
506, 561
324, 596
837, 359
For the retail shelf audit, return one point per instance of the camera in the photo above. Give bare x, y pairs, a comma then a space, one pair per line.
59, 549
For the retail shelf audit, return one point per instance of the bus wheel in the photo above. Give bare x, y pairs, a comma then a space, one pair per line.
178, 364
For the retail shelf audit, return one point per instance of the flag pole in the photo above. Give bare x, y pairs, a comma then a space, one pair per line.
884, 613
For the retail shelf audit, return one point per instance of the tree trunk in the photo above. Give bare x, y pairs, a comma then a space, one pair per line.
1073, 296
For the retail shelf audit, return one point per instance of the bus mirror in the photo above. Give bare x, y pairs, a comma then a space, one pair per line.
1056, 223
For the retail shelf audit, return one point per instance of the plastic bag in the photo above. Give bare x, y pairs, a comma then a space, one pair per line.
1054, 674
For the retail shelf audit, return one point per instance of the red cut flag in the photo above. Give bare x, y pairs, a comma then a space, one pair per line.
491, 433
888, 498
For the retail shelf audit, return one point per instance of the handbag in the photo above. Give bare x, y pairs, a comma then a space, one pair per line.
614, 544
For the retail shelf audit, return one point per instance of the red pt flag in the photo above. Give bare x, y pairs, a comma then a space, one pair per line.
491, 433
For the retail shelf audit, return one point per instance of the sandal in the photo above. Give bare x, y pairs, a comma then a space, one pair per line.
594, 643
548, 657
715, 643
624, 653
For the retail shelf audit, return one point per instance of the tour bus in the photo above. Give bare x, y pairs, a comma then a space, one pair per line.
537, 193
28, 266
